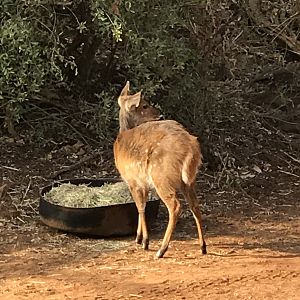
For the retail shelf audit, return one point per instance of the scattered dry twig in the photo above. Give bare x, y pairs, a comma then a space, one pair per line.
74, 166
291, 157
3, 191
289, 173
10, 168
27, 189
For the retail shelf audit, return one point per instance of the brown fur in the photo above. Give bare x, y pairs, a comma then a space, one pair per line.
160, 155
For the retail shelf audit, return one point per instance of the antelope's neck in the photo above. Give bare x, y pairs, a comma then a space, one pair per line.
125, 122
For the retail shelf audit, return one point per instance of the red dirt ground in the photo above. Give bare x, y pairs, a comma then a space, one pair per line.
253, 243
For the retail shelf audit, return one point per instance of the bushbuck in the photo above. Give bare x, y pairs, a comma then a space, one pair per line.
156, 154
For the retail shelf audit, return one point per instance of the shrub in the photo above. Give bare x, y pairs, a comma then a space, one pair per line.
24, 62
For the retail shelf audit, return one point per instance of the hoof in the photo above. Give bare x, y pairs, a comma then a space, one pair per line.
160, 253
145, 244
203, 249
139, 239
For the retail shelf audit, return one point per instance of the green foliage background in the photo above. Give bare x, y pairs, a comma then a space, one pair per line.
96, 45
63, 63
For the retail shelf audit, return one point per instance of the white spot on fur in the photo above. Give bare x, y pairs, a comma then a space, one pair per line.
185, 177
149, 177
150, 182
185, 167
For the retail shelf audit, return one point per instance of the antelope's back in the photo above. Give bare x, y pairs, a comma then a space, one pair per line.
157, 148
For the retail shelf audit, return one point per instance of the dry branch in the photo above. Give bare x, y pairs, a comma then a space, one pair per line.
280, 31
74, 166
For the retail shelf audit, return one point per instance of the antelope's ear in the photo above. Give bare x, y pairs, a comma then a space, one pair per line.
124, 94
133, 100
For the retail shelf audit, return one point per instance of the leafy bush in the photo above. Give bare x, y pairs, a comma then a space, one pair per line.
24, 63
194, 58
153, 49
21, 63
97, 45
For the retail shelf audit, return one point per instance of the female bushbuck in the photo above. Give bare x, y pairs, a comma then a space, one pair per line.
156, 154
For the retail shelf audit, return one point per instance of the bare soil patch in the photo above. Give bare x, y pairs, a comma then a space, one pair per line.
253, 240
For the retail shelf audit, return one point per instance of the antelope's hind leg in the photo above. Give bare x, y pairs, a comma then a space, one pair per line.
140, 196
191, 197
169, 196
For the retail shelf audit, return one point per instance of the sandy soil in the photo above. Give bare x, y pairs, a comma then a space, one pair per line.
253, 247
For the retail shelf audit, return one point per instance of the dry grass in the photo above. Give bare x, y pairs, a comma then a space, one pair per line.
83, 196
